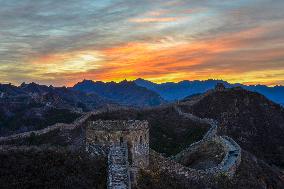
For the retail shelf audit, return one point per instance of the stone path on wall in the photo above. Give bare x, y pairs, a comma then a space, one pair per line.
118, 168
233, 155
232, 150
213, 124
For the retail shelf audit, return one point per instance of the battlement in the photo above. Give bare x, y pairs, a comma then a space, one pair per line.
118, 125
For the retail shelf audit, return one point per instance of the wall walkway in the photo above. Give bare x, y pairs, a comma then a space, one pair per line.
118, 167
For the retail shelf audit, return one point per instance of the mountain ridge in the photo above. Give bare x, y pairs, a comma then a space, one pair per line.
124, 93
255, 122
172, 91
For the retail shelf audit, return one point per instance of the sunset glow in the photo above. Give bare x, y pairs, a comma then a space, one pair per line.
62, 43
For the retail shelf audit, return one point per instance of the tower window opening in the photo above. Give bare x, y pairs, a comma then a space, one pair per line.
141, 140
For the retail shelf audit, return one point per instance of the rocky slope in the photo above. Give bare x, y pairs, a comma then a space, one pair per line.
62, 97
32, 106
58, 97
26, 117
253, 121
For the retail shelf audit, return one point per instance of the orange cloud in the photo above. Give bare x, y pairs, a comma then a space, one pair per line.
177, 60
229, 57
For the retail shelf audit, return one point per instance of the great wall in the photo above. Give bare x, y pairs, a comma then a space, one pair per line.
232, 150
118, 167
126, 145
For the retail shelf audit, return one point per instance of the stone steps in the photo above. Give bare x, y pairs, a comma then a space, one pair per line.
118, 168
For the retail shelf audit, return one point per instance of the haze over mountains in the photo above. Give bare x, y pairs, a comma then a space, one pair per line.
123, 93
90, 94
175, 91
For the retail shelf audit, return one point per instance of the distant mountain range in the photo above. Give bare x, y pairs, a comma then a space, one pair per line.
58, 97
89, 94
124, 93
176, 91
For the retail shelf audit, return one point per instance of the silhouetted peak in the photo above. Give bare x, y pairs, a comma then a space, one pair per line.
87, 81
140, 79
23, 84
127, 83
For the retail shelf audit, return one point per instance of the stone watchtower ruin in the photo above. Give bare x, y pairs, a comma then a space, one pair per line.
125, 143
220, 87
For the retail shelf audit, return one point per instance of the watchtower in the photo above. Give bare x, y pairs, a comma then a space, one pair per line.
102, 135
220, 87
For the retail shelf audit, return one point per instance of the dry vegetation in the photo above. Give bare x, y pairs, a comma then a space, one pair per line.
50, 168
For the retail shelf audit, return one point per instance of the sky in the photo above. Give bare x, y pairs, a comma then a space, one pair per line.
62, 42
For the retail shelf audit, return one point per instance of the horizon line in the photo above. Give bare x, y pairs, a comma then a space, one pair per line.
132, 80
